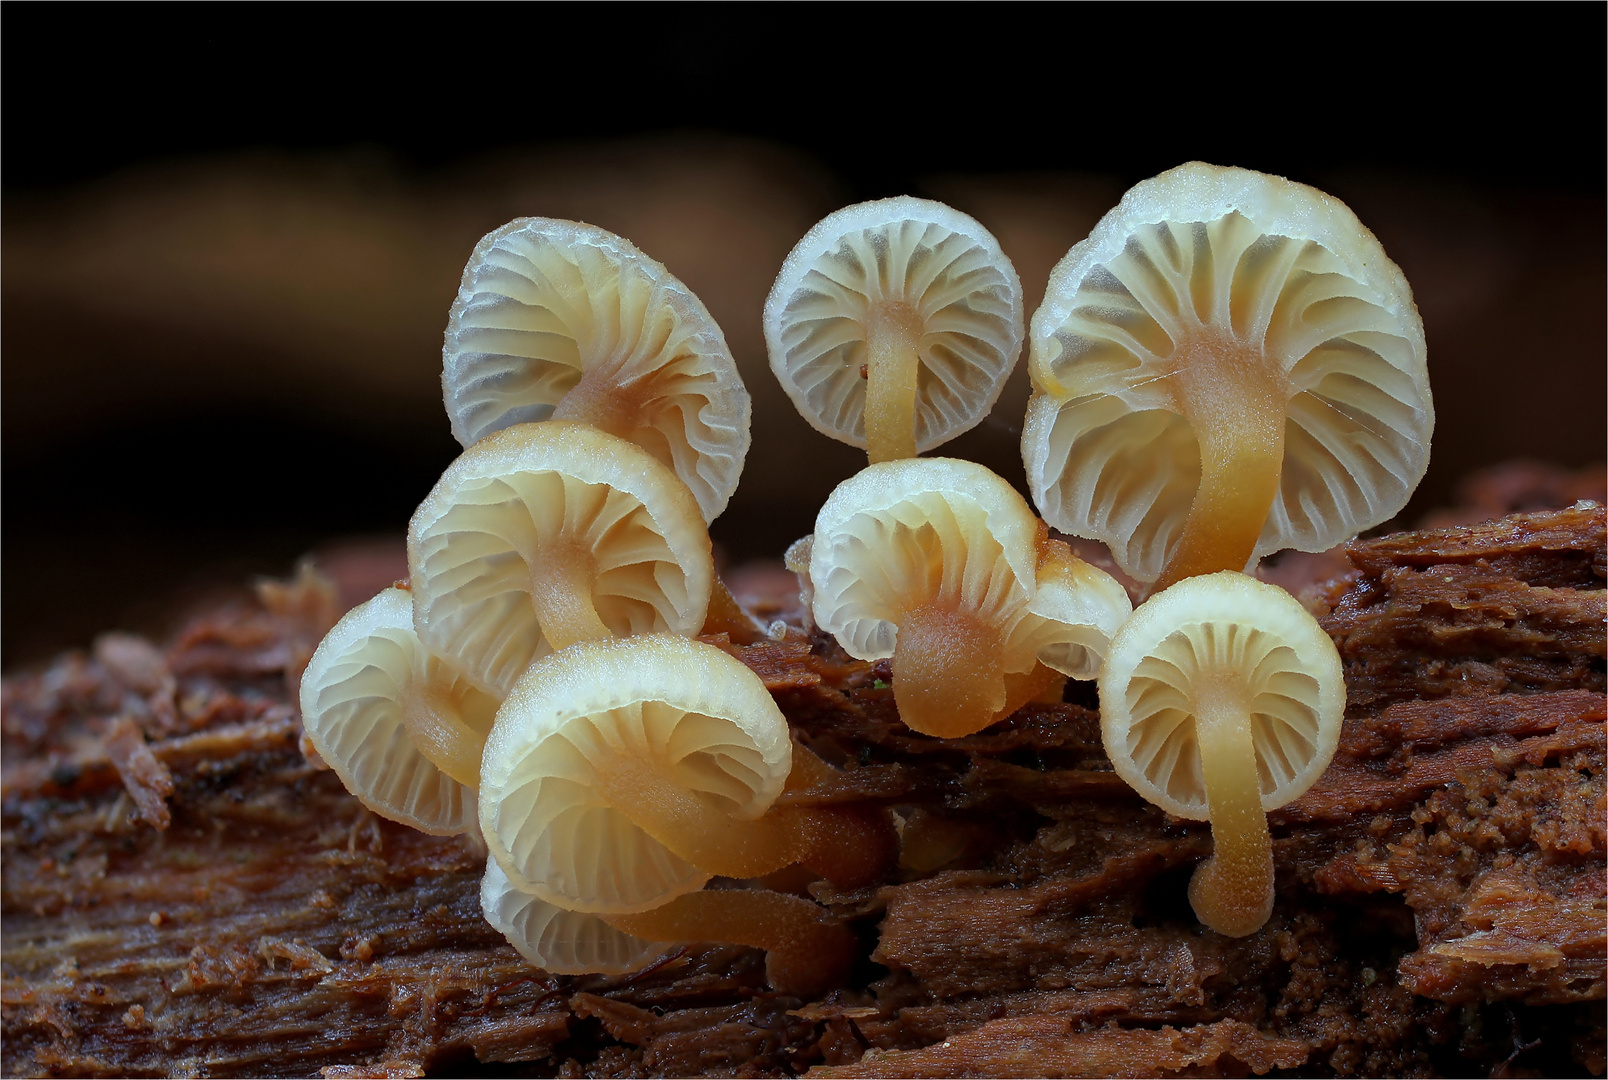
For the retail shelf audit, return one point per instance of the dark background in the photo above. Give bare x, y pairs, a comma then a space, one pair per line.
231, 233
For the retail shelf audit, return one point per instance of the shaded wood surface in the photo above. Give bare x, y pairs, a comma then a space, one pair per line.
185, 893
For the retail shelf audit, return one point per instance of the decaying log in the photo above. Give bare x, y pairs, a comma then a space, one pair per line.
1441, 904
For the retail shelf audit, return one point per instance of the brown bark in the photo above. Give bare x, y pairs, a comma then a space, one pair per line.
1441, 891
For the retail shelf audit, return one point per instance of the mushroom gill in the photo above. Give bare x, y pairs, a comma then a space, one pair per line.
1228, 365
893, 325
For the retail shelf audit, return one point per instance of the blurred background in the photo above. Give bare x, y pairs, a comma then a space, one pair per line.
231, 234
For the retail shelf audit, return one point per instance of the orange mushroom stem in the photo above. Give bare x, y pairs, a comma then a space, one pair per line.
807, 951
849, 848
1236, 401
1232, 891
561, 579
948, 671
893, 362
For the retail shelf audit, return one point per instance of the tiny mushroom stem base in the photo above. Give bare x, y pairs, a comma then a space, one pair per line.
1229, 365
940, 565
1222, 699
893, 325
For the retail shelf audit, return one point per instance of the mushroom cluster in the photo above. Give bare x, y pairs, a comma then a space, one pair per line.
567, 548
620, 776
1227, 366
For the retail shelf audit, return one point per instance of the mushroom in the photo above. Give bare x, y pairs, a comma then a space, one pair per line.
893, 325
939, 564
621, 775
557, 319
558, 940
1229, 365
400, 727
1221, 699
542, 535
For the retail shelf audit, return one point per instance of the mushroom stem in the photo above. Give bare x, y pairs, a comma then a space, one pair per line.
807, 952
948, 677
1237, 408
431, 717
694, 827
893, 361
1232, 891
848, 847
561, 577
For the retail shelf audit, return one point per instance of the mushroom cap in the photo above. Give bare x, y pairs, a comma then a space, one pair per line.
1257, 260
544, 301
1204, 627
941, 262
559, 941
900, 532
1075, 611
700, 716
521, 491
353, 696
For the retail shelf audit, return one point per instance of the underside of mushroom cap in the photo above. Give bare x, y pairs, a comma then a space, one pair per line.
903, 533
559, 941
700, 718
546, 303
354, 696
927, 264
1204, 262
1212, 627
1075, 611
525, 507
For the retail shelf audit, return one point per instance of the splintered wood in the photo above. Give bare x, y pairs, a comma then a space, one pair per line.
184, 893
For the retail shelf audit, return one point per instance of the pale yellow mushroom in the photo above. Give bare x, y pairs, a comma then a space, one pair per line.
1222, 699
542, 535
940, 565
558, 319
1229, 365
893, 325
400, 726
621, 775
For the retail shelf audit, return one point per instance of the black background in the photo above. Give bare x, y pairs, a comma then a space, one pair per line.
1493, 98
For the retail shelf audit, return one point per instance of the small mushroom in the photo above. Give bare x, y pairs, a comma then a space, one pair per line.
621, 775
557, 319
1221, 699
542, 535
400, 727
1229, 365
939, 564
893, 325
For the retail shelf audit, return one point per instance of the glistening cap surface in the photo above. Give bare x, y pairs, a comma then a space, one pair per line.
544, 303
1200, 261
961, 290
